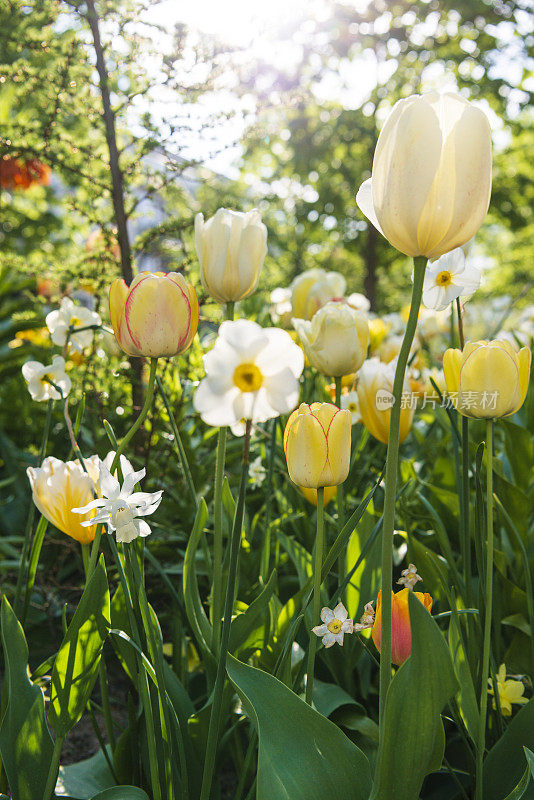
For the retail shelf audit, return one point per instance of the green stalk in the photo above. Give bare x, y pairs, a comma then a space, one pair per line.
464, 494
488, 601
266, 546
179, 444
54, 769
342, 559
235, 542
392, 460
31, 516
218, 544
319, 548
120, 450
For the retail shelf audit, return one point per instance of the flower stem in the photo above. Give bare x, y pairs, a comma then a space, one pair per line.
488, 602
179, 444
216, 607
142, 416
392, 459
21, 577
319, 548
53, 769
235, 542
266, 546
340, 500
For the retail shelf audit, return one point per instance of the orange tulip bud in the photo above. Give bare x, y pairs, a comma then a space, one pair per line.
156, 317
401, 631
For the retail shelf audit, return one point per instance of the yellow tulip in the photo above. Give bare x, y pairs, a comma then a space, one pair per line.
335, 340
378, 330
375, 393
431, 178
311, 494
317, 445
312, 289
487, 379
58, 487
231, 248
157, 316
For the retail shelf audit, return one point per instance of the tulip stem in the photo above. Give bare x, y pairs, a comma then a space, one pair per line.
340, 499
488, 602
319, 548
216, 603
235, 543
53, 770
266, 547
392, 460
179, 444
142, 416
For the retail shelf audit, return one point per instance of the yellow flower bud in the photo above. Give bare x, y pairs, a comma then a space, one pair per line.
336, 339
231, 248
431, 179
487, 379
156, 317
375, 393
58, 487
317, 445
312, 289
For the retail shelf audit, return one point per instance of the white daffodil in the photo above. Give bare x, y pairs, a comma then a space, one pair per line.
251, 374
351, 402
69, 315
335, 624
120, 507
47, 382
367, 619
256, 472
447, 278
409, 577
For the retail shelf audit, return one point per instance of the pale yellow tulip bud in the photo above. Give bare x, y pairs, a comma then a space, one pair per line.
487, 379
375, 394
312, 289
431, 179
317, 445
58, 487
336, 339
231, 248
157, 316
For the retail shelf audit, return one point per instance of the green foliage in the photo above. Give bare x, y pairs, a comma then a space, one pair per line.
416, 697
76, 665
319, 761
25, 742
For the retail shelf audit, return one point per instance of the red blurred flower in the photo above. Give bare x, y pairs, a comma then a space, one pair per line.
401, 632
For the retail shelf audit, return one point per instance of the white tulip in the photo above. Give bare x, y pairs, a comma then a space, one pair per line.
335, 340
47, 382
312, 289
431, 179
231, 248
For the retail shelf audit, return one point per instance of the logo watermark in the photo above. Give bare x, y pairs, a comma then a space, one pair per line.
462, 401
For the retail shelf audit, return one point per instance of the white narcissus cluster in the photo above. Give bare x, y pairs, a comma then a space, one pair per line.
47, 382
69, 315
120, 508
335, 340
431, 178
231, 248
252, 373
447, 278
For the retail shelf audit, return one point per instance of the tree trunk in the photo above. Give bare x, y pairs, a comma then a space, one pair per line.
370, 281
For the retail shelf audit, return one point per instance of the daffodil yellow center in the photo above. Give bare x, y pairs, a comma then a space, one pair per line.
444, 278
248, 378
352, 407
74, 321
334, 626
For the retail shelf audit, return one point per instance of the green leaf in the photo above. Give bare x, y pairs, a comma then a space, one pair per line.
302, 755
76, 666
416, 696
467, 697
121, 793
193, 604
499, 782
244, 624
518, 792
84, 779
25, 742
120, 621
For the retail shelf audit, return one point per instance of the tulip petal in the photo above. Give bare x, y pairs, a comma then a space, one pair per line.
158, 316
364, 200
452, 363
